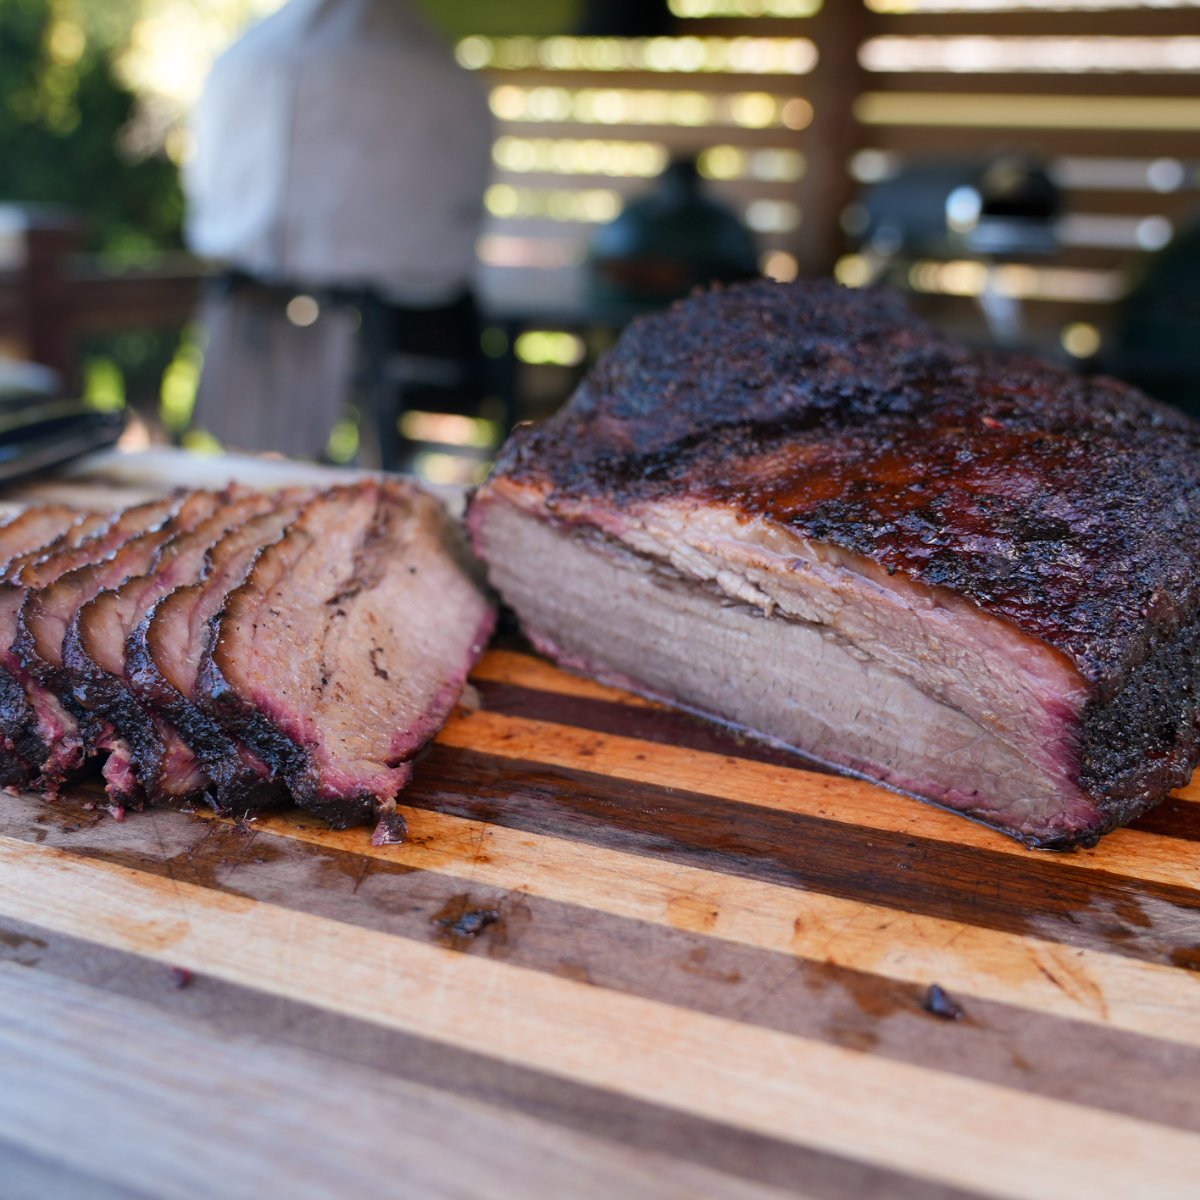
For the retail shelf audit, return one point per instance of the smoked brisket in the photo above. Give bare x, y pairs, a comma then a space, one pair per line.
795, 508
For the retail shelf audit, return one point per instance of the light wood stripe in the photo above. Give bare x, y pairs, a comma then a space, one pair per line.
507, 666
994, 1140
1046, 977
835, 798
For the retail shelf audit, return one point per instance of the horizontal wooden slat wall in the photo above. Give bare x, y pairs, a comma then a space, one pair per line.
1106, 95
567, 108
1105, 92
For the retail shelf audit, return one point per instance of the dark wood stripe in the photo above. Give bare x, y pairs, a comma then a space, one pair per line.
997, 1043
1173, 818
665, 726
229, 1010
1023, 894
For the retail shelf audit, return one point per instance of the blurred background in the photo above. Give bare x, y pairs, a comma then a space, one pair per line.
1027, 169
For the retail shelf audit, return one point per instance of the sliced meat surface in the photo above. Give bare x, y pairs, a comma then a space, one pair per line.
347, 646
94, 655
797, 509
84, 529
34, 529
164, 653
31, 717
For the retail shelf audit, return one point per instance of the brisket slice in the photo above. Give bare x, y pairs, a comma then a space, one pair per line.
94, 659
164, 652
27, 534
797, 509
31, 717
346, 647
47, 612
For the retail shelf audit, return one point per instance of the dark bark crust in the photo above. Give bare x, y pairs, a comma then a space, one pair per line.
17, 721
1146, 740
234, 787
15, 769
227, 719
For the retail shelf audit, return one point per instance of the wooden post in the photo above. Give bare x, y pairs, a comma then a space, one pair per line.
46, 305
836, 82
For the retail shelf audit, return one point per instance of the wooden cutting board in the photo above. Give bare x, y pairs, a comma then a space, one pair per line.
621, 954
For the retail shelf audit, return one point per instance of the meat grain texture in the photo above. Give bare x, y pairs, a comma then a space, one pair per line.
795, 508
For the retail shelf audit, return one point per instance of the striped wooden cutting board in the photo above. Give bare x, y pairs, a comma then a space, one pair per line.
620, 954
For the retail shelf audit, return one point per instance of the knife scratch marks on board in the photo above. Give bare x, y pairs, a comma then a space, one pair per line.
156, 830
1075, 983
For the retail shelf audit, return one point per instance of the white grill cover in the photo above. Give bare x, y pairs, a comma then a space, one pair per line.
340, 143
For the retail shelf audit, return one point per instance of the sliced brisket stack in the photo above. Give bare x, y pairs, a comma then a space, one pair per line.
228, 644
94, 656
49, 614
795, 508
42, 733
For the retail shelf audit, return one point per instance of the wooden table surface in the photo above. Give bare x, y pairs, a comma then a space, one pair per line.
621, 955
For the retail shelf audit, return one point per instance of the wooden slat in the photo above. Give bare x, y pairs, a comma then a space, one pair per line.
1133, 21
1033, 111
731, 191
1043, 319
715, 82
582, 231
1173, 205
1102, 259
1013, 86
684, 137
975, 142
919, 1122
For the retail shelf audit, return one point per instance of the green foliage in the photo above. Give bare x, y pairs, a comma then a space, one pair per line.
128, 368
103, 384
180, 382
62, 113
538, 18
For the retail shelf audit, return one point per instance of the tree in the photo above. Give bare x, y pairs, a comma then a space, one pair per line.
63, 114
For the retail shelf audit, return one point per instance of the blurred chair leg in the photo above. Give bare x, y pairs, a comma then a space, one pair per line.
379, 392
